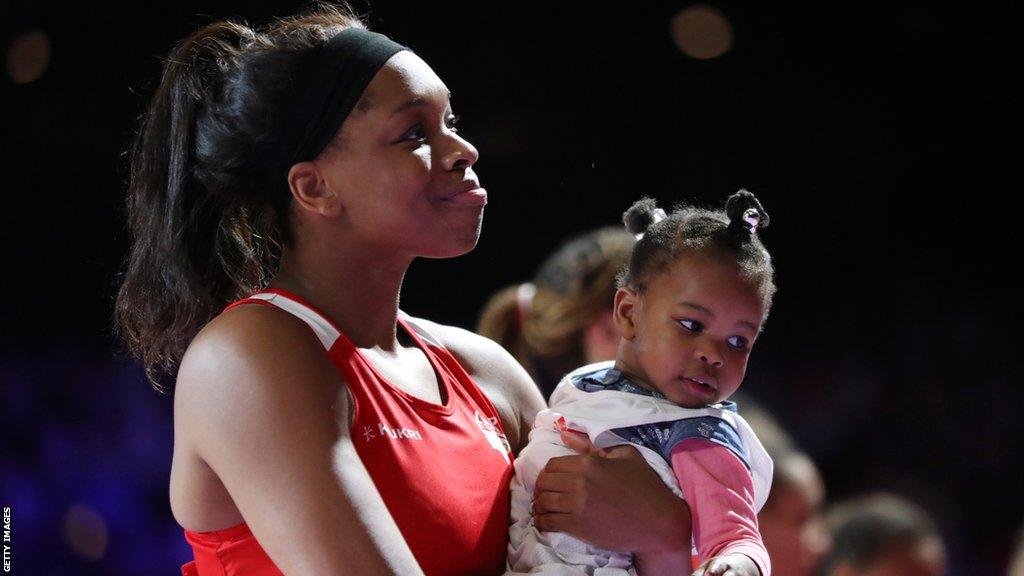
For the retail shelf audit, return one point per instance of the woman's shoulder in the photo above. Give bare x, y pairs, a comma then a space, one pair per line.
252, 354
247, 335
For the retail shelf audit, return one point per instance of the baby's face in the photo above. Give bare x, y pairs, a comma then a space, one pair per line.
692, 330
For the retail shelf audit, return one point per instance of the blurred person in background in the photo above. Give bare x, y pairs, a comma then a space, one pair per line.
1016, 567
883, 535
792, 521
563, 318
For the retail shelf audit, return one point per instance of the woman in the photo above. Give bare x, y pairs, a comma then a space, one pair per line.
318, 430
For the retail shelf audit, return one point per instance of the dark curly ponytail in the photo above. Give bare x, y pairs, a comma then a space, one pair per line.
205, 221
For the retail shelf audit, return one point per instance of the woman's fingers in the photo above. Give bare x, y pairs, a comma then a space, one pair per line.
555, 502
557, 482
564, 464
554, 522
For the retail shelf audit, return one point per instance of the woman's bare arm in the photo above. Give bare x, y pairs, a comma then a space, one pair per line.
267, 411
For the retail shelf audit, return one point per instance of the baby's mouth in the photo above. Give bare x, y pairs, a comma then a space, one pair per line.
705, 384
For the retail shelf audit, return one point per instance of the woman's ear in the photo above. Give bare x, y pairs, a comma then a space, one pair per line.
310, 190
624, 312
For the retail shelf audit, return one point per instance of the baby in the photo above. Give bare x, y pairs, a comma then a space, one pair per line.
688, 309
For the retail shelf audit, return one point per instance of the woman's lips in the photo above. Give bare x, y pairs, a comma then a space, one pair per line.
476, 196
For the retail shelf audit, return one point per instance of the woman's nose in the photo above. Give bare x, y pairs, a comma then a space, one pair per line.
462, 154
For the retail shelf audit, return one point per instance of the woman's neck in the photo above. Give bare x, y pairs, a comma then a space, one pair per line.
358, 291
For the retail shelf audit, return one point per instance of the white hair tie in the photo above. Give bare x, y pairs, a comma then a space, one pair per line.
752, 217
524, 300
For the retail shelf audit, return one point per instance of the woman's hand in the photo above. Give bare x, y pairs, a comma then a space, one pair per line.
613, 499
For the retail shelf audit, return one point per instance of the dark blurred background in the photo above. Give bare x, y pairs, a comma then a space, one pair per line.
883, 138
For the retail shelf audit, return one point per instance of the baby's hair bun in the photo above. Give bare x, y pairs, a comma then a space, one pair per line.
641, 215
746, 215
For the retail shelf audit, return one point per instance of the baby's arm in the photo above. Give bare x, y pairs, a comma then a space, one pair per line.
720, 493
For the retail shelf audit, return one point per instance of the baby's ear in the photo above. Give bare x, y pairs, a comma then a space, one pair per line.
624, 312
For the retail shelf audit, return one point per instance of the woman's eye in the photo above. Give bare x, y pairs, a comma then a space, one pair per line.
415, 133
451, 121
692, 325
738, 342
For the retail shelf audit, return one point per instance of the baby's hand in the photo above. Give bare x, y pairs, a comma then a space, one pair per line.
729, 565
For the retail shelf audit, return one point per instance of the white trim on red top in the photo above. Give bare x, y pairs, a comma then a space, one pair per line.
420, 330
325, 332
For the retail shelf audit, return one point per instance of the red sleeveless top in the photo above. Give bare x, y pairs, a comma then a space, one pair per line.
442, 470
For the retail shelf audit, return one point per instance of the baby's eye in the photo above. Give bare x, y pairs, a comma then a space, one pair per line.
738, 342
415, 133
451, 121
692, 325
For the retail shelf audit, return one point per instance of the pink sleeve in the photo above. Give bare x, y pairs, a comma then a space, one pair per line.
720, 492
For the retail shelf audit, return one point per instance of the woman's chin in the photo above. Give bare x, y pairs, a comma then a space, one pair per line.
452, 250
457, 241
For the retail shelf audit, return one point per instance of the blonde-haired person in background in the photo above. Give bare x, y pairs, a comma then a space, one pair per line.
563, 318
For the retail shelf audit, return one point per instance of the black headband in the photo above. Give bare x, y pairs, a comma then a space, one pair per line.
324, 95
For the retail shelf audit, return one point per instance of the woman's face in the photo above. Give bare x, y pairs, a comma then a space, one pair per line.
403, 175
